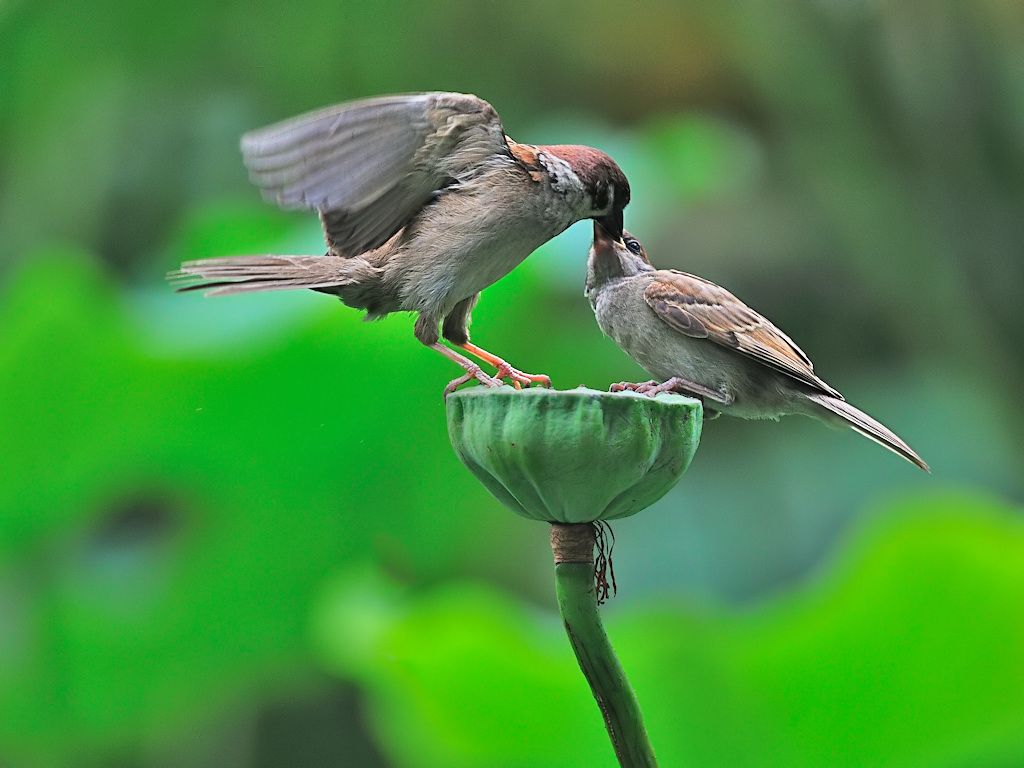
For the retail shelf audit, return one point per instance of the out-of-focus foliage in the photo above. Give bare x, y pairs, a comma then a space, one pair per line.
887, 660
219, 518
167, 517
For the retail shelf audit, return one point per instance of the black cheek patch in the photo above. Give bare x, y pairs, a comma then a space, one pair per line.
600, 197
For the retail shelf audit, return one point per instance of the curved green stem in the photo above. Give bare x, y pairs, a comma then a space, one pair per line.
573, 547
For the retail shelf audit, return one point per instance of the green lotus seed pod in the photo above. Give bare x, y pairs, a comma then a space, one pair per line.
573, 456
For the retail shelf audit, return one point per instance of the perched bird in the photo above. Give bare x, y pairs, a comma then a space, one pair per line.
424, 202
700, 340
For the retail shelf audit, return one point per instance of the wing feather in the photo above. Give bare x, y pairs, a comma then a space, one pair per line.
369, 166
700, 309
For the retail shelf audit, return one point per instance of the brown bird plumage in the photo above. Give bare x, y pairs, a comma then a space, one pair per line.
702, 310
699, 339
424, 202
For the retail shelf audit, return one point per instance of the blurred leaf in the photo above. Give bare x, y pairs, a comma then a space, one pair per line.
909, 651
463, 677
705, 158
168, 516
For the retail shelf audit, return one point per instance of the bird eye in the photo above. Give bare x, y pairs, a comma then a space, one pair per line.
633, 245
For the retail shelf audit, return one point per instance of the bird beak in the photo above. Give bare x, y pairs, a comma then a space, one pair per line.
603, 238
612, 225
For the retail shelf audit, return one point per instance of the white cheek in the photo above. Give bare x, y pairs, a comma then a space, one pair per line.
565, 180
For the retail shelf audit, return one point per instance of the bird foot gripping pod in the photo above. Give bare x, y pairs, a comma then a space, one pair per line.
577, 459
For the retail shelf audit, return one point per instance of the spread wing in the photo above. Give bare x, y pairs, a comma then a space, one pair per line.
369, 166
700, 309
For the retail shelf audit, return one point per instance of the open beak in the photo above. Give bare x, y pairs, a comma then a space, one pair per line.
603, 239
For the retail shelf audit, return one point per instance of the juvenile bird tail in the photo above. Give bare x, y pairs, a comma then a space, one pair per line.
248, 274
867, 426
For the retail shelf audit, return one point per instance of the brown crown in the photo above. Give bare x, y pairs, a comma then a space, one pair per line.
595, 169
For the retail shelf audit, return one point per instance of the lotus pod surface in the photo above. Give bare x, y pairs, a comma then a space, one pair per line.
574, 456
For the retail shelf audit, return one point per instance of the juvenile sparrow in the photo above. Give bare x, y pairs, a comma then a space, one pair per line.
700, 340
424, 202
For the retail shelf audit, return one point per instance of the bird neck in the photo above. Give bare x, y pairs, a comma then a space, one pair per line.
607, 265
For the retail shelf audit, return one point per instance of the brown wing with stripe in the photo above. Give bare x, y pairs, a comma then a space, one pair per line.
702, 310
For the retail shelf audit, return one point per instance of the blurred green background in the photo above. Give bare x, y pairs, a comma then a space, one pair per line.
233, 532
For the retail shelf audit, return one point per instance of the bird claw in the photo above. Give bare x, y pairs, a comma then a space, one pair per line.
650, 388
504, 370
518, 378
476, 372
627, 386
677, 385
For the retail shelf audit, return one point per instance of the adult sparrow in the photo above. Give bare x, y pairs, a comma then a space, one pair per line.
700, 340
424, 202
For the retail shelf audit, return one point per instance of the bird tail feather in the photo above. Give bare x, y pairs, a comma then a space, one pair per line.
249, 274
869, 427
